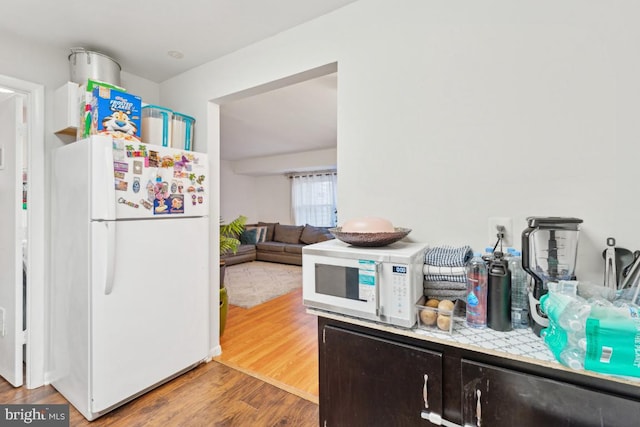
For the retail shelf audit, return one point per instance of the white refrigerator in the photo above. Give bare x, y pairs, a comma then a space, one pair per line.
130, 258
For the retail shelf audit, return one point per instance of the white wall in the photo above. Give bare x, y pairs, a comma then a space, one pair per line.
258, 197
258, 188
238, 194
50, 67
453, 112
295, 162
274, 199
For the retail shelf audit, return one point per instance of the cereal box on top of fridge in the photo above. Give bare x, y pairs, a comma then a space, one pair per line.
85, 93
115, 113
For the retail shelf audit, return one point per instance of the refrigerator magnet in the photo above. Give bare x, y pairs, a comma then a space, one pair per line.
177, 204
121, 185
118, 150
154, 159
136, 184
137, 167
128, 203
118, 174
167, 162
121, 166
160, 207
147, 205
181, 163
151, 192
174, 187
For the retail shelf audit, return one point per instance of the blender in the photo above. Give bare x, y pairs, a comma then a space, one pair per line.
549, 252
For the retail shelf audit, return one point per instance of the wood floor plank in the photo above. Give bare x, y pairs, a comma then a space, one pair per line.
212, 394
275, 341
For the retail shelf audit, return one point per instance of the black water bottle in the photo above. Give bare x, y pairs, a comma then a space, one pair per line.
499, 294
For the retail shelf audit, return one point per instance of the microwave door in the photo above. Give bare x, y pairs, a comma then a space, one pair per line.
350, 287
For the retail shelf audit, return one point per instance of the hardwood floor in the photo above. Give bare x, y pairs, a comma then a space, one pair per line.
267, 375
276, 342
210, 395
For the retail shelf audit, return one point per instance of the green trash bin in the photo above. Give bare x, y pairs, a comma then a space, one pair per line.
224, 308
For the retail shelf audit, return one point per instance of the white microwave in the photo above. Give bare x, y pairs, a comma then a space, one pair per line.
381, 284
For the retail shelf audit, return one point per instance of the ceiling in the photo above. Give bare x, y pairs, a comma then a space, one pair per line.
140, 35
295, 118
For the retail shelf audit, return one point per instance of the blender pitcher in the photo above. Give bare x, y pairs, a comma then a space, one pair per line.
549, 252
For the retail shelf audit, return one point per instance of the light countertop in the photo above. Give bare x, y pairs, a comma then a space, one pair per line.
519, 344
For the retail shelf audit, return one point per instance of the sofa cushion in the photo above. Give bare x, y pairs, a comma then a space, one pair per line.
261, 232
312, 234
294, 249
287, 233
250, 236
270, 229
271, 246
242, 249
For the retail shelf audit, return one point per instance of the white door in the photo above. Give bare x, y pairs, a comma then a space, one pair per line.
11, 236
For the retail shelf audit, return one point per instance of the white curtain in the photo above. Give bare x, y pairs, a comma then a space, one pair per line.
313, 198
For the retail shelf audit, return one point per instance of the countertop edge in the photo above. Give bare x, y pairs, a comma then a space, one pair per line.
417, 334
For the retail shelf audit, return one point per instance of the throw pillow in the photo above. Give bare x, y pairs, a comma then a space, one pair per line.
262, 234
312, 234
249, 236
287, 233
270, 229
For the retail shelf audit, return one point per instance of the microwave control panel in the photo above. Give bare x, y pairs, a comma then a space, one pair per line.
400, 292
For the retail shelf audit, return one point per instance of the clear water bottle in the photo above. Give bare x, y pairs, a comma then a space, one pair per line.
573, 318
573, 358
477, 292
519, 292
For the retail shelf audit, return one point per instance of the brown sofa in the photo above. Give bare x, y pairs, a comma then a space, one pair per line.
275, 242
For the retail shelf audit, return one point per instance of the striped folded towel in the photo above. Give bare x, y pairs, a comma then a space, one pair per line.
448, 271
445, 294
448, 256
445, 278
443, 285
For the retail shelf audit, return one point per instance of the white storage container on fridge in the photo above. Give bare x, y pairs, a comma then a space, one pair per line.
182, 131
156, 125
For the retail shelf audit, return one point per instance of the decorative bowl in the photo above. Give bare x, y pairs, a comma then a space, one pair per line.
370, 239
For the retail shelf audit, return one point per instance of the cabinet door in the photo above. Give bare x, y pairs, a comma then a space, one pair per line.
508, 398
367, 381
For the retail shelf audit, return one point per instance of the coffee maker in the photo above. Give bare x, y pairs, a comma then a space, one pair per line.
549, 253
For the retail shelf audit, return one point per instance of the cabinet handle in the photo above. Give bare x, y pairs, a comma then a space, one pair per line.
424, 391
478, 408
438, 420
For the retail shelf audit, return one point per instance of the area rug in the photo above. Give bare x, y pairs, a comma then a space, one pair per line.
252, 283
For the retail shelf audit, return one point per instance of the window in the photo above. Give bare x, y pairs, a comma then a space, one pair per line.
313, 198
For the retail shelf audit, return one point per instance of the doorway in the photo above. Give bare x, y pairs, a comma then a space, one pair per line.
273, 186
22, 242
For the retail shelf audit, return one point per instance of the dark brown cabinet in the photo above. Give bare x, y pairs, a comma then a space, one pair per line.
509, 398
373, 377
368, 381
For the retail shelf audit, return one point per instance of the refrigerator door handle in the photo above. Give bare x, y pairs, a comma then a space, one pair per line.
111, 256
110, 192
